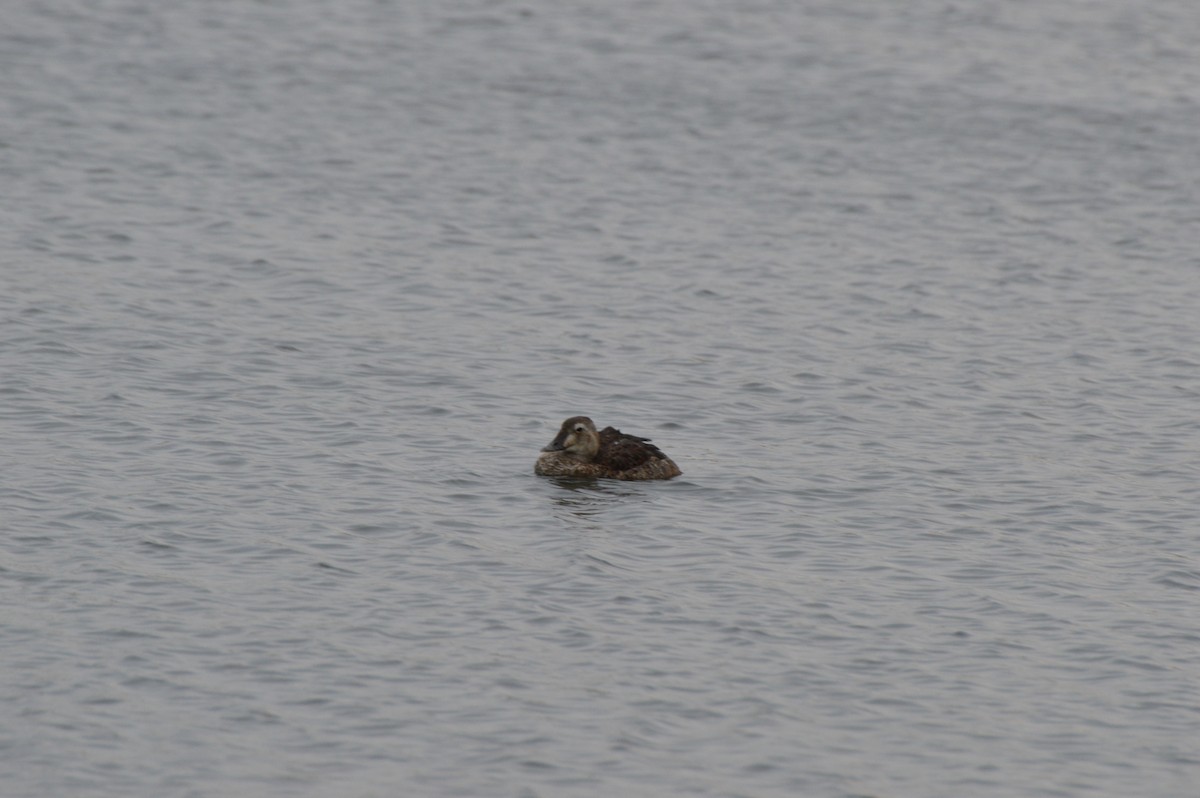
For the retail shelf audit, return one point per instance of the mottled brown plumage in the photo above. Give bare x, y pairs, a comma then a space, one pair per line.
580, 451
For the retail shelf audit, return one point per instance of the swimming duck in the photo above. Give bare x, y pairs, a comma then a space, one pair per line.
579, 451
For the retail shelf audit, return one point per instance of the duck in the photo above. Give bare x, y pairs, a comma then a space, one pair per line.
580, 451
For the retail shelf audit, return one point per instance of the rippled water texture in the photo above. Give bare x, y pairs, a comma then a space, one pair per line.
292, 293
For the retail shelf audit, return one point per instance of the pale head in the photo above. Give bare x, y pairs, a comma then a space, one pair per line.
577, 438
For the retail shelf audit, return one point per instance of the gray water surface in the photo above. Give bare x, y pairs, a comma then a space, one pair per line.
292, 293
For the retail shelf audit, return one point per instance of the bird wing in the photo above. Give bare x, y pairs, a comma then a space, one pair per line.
622, 452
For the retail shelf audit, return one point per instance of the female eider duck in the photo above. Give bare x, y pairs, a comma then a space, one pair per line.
579, 451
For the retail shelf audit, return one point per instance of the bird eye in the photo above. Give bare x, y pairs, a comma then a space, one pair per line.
579, 428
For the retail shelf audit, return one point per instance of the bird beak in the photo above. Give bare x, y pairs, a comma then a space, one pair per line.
556, 445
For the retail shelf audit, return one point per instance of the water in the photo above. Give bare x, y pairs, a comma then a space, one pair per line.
292, 293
